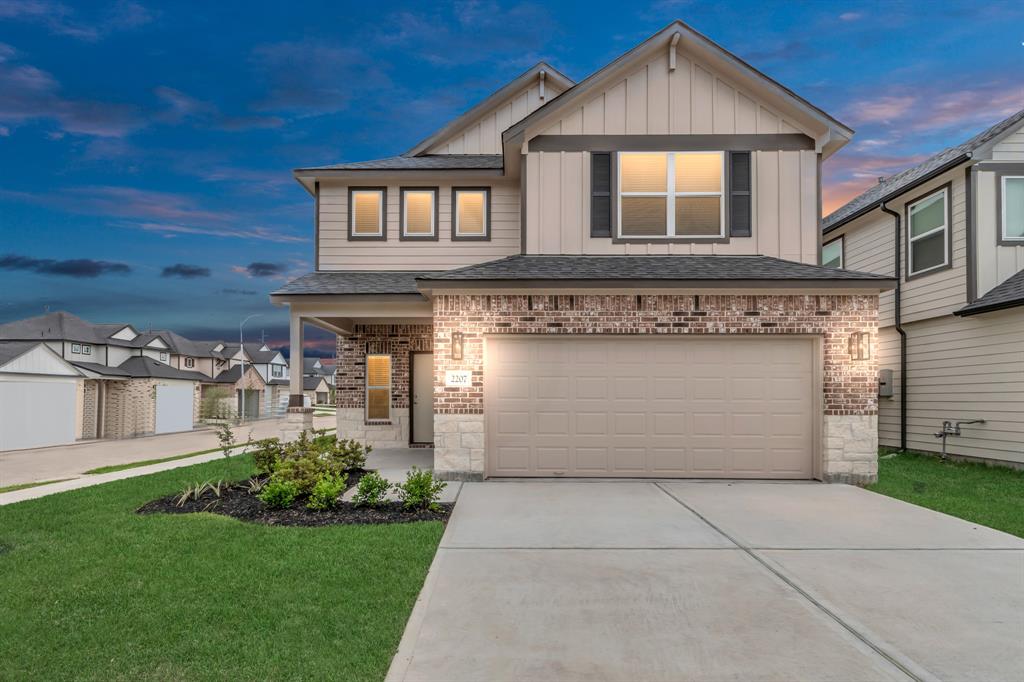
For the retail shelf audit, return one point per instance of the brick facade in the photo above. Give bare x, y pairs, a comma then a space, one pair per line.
396, 340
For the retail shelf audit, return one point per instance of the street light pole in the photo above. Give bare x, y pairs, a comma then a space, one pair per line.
241, 349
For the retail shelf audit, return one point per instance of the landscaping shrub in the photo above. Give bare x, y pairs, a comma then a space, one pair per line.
267, 453
350, 455
371, 491
303, 472
326, 491
420, 490
279, 494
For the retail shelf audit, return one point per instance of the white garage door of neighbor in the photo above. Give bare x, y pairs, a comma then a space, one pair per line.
707, 407
35, 414
174, 408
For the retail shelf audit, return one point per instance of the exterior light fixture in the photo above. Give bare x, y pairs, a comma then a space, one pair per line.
456, 345
860, 346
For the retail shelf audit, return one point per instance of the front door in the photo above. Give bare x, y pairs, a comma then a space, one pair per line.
422, 398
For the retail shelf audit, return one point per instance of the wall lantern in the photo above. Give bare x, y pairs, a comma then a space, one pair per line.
860, 346
456, 345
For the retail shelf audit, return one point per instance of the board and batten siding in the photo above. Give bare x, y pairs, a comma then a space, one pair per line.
338, 253
995, 262
784, 225
959, 368
483, 136
691, 99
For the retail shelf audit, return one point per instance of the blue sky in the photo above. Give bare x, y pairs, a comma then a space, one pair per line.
146, 148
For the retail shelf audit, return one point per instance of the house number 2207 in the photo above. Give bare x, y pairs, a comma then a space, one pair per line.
458, 378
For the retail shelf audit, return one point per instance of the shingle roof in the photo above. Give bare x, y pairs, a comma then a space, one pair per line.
894, 185
311, 383
355, 282
10, 350
1009, 294
104, 370
425, 162
654, 268
257, 355
141, 366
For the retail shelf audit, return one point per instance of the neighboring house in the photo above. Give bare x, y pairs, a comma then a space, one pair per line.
132, 383
951, 229
616, 278
314, 367
39, 396
316, 389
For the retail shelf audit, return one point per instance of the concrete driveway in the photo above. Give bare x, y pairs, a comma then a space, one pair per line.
567, 580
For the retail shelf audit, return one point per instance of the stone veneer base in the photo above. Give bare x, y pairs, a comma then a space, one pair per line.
394, 434
851, 449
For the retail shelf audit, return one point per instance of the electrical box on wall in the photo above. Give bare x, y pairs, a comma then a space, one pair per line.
885, 383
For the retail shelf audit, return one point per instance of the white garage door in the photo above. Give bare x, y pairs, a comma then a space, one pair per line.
174, 408
35, 414
705, 407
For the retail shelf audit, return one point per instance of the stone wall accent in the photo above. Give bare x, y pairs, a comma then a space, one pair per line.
851, 449
393, 434
296, 420
849, 388
459, 446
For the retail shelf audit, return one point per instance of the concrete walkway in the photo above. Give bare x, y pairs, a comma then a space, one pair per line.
572, 580
72, 461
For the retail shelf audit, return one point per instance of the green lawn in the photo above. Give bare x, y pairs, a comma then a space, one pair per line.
91, 590
22, 486
991, 496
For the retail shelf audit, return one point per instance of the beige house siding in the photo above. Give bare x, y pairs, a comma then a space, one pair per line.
338, 253
691, 99
995, 262
870, 248
483, 136
785, 219
959, 368
1010, 148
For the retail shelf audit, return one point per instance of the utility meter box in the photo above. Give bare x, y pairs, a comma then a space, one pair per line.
885, 383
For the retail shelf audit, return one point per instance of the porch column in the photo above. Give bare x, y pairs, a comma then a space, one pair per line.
299, 418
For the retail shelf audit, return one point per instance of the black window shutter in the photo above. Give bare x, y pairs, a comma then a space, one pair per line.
600, 194
739, 194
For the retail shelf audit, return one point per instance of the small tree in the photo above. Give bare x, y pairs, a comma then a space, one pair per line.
227, 441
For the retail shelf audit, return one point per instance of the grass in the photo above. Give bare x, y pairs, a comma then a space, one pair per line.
93, 591
22, 486
988, 495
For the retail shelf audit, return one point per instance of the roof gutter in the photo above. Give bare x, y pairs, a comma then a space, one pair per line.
991, 308
902, 190
898, 321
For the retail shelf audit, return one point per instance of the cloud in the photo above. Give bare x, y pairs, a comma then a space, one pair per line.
32, 94
947, 107
262, 269
850, 16
239, 292
184, 271
248, 232
76, 267
59, 19
180, 106
846, 176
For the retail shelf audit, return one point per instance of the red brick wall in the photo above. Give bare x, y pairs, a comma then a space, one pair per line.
396, 340
850, 388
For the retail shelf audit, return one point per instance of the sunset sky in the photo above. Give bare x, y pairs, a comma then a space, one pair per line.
146, 148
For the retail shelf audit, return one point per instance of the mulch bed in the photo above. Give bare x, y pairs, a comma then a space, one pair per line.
236, 502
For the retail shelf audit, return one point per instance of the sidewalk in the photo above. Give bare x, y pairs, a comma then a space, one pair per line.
72, 461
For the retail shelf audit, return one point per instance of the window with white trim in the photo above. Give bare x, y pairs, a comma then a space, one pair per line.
418, 212
86, 349
277, 371
378, 387
163, 357
832, 254
671, 194
76, 348
1013, 207
928, 233
367, 213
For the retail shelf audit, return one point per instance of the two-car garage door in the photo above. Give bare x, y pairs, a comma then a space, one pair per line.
706, 407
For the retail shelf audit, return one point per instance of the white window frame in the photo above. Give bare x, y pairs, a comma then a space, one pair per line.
433, 192
1002, 209
163, 356
380, 213
670, 195
86, 349
277, 371
842, 251
366, 395
76, 348
911, 272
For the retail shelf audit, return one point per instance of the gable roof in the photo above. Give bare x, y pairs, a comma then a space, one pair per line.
689, 37
141, 367
491, 101
905, 180
312, 383
1009, 294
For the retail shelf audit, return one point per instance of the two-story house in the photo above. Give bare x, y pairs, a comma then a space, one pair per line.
617, 277
951, 339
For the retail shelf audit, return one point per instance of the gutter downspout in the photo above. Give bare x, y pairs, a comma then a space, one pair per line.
898, 320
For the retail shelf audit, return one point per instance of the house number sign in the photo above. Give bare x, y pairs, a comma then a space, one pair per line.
458, 378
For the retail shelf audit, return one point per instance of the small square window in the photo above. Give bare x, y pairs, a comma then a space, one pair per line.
378, 387
76, 348
86, 349
419, 213
471, 213
1013, 208
367, 213
832, 254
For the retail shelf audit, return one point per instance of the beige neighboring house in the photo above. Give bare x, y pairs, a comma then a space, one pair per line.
951, 229
316, 389
616, 277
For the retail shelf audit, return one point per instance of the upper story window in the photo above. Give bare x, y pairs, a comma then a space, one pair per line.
928, 233
419, 213
471, 213
86, 349
1012, 210
674, 194
367, 213
190, 362
277, 371
163, 357
76, 348
832, 254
